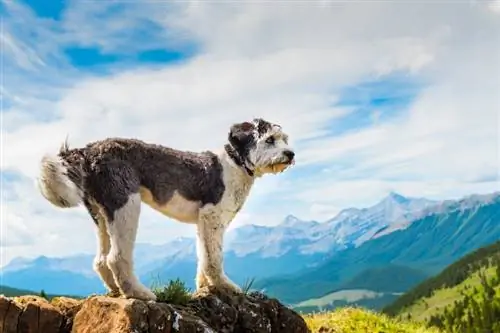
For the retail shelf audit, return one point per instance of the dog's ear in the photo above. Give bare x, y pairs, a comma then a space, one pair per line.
241, 135
263, 126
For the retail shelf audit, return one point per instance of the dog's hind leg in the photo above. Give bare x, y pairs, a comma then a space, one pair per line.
122, 231
103, 247
115, 187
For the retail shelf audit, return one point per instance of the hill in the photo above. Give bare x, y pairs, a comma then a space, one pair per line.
464, 297
451, 276
12, 292
427, 245
15, 292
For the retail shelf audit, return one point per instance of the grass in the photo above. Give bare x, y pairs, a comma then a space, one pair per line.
247, 287
435, 304
175, 292
354, 320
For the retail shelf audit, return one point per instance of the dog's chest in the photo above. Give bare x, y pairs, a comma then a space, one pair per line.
235, 195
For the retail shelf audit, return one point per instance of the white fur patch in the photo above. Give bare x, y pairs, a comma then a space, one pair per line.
122, 233
55, 185
178, 207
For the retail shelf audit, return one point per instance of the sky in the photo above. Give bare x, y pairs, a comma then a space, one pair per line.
376, 96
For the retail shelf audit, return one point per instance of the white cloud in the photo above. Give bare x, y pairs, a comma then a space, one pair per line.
286, 62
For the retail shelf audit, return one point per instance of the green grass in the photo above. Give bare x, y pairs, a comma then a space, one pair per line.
354, 320
425, 307
247, 287
175, 292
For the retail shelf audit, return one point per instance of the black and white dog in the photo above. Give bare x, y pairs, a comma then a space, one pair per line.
113, 176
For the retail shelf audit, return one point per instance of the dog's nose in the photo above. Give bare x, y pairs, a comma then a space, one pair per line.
289, 154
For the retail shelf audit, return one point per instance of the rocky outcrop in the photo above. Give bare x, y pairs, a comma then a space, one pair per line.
209, 312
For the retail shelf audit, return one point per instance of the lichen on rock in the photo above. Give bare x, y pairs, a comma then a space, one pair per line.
209, 311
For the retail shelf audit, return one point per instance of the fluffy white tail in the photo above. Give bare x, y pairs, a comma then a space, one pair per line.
55, 185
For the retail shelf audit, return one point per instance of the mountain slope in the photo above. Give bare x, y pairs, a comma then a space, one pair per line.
451, 276
428, 245
369, 289
464, 297
14, 292
11, 292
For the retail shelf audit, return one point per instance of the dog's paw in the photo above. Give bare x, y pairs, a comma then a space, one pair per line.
113, 293
229, 286
140, 292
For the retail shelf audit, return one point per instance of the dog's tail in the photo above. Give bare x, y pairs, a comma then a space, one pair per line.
60, 178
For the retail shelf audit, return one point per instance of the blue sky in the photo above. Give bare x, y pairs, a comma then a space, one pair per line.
403, 102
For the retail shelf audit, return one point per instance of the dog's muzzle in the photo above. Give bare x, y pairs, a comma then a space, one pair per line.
285, 162
289, 156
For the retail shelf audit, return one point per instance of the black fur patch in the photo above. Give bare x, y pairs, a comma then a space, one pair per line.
113, 169
241, 140
262, 126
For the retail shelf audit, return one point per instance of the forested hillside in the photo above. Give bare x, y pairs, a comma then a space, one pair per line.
465, 297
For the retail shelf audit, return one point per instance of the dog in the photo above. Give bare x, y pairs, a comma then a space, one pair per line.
114, 176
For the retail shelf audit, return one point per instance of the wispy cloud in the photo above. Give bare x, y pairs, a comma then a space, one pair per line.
375, 96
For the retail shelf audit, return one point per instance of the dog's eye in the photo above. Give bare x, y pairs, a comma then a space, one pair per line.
270, 140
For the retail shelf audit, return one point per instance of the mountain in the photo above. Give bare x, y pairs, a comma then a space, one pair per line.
355, 226
287, 248
74, 275
427, 245
464, 297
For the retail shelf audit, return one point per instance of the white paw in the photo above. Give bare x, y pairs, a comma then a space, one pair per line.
230, 285
140, 292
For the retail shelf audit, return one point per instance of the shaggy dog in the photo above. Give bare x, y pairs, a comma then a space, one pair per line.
113, 176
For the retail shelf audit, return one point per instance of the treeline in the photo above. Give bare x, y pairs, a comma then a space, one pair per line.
477, 312
451, 276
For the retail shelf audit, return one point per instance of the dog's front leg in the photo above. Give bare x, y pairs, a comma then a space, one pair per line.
210, 234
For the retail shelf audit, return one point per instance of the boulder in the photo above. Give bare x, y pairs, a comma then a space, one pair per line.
209, 311
30, 314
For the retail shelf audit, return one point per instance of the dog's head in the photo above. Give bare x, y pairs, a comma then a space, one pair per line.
262, 146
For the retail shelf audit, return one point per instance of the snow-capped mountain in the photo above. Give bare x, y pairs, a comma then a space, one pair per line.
274, 241
286, 248
80, 264
356, 226
351, 227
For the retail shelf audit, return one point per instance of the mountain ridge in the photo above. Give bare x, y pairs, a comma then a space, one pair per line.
428, 244
287, 248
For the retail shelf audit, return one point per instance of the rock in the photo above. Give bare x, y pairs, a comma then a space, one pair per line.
101, 314
210, 311
10, 315
30, 314
68, 307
